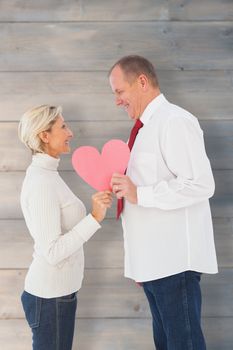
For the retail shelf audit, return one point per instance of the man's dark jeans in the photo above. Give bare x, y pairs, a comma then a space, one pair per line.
175, 304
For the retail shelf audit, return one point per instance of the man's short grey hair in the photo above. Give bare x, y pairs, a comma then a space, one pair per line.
133, 66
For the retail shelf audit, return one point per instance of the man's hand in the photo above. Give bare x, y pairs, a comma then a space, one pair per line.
122, 186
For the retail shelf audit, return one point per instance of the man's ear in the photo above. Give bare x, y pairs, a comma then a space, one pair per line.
43, 135
143, 82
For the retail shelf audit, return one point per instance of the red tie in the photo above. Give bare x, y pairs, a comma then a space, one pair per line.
133, 134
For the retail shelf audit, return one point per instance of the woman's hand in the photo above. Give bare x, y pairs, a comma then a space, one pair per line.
100, 202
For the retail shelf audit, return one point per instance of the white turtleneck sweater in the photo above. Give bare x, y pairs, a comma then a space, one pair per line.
57, 222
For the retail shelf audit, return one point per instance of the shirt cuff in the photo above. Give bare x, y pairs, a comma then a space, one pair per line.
87, 227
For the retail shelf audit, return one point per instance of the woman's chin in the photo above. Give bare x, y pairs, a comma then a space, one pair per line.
66, 150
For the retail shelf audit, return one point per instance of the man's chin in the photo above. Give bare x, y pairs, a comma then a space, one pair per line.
133, 117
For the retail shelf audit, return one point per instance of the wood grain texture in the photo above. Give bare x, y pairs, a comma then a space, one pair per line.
104, 334
105, 10
15, 156
87, 96
223, 234
222, 206
10, 187
104, 250
11, 182
82, 10
201, 10
173, 45
107, 294
98, 254
60, 54
111, 230
223, 183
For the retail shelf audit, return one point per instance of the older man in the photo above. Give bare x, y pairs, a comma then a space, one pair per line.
163, 204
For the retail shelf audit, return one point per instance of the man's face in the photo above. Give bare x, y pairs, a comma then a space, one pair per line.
127, 95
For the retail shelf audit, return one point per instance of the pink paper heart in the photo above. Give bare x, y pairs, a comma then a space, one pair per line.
96, 169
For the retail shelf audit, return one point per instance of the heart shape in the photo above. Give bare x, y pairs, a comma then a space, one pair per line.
97, 169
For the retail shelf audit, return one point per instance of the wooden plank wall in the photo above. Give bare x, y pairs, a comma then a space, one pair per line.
59, 52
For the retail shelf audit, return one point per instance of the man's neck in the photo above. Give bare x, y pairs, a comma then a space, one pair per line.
151, 95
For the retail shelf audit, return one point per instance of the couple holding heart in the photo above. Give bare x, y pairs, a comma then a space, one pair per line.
162, 180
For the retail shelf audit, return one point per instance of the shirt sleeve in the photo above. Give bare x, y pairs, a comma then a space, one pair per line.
45, 216
184, 153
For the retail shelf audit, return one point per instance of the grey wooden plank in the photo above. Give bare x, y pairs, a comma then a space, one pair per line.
198, 92
99, 254
223, 234
220, 151
88, 46
87, 95
104, 10
217, 292
218, 333
73, 10
83, 95
223, 183
217, 128
10, 187
14, 334
111, 230
222, 206
15, 156
89, 334
104, 255
75, 106
107, 294
11, 182
196, 84
115, 334
104, 250
201, 10
16, 230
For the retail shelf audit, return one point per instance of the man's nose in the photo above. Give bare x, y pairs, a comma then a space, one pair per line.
118, 101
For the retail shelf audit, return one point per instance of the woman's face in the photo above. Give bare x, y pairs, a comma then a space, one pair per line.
56, 141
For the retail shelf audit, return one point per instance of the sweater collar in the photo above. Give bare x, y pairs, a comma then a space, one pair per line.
151, 108
45, 161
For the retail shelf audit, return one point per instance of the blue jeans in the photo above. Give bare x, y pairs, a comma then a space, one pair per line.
51, 321
175, 304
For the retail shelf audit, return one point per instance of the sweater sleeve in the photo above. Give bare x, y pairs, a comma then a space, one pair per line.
184, 153
45, 217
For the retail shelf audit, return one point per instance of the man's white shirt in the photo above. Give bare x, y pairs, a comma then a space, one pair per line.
170, 229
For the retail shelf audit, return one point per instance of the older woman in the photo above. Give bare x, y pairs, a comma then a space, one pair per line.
59, 226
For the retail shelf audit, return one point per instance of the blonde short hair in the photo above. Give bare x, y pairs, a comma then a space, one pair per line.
33, 122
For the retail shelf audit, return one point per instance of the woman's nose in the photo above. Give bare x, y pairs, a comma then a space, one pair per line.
70, 133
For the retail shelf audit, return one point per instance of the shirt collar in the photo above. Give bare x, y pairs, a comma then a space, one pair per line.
151, 107
43, 160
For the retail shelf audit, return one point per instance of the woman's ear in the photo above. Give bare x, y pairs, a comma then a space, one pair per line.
43, 135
